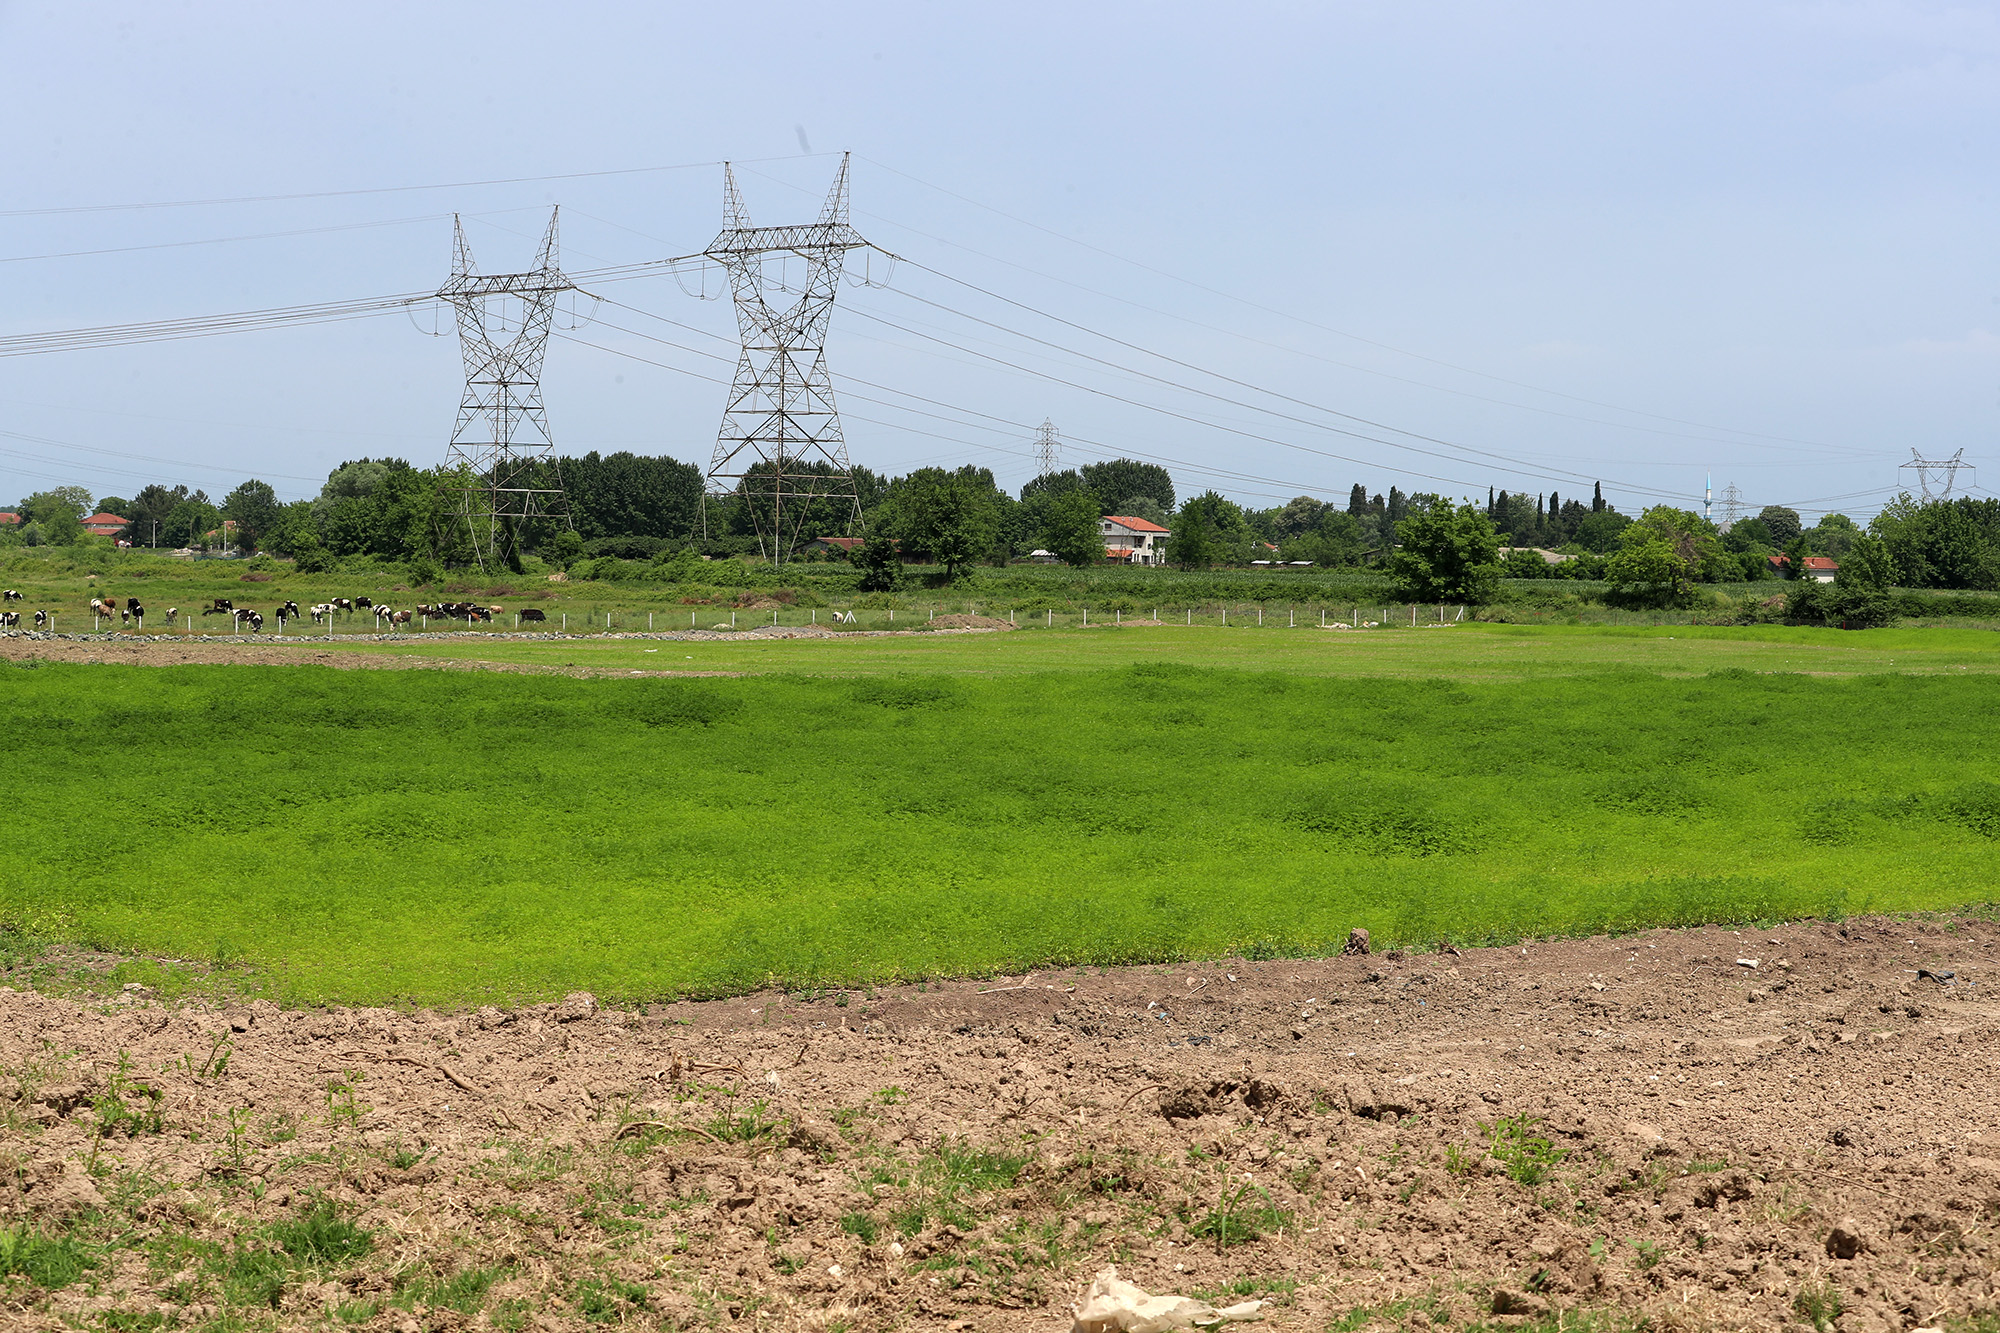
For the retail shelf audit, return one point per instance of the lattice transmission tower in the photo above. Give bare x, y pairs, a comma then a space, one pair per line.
1048, 449
780, 446
1732, 506
502, 439
1925, 467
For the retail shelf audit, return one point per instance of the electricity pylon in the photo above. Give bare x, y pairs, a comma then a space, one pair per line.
1732, 506
780, 442
1048, 449
503, 331
1926, 466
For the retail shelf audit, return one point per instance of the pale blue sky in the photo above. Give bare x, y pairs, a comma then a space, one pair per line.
1759, 239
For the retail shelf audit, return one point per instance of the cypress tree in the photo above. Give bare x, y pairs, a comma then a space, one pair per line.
1357, 500
1597, 498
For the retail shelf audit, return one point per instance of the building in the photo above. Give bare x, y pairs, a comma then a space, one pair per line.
8, 520
1132, 541
1819, 568
105, 525
846, 546
1548, 557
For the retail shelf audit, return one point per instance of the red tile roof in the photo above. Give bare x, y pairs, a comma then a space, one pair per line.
1813, 562
106, 521
844, 543
10, 517
1135, 524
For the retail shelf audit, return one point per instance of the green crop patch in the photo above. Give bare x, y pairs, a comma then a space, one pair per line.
454, 837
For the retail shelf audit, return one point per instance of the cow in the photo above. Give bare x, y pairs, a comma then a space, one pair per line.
10, 619
533, 615
10, 595
132, 605
248, 617
41, 619
363, 603
400, 618
222, 606
343, 604
291, 609
106, 607
173, 614
383, 613
322, 611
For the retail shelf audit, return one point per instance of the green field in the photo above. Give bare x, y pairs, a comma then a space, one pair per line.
878, 808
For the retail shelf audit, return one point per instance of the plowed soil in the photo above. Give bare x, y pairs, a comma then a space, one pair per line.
1583, 1134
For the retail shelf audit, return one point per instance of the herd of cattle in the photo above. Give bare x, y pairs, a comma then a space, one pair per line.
323, 613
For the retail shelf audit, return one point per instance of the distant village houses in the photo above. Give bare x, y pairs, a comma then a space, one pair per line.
1131, 541
1819, 568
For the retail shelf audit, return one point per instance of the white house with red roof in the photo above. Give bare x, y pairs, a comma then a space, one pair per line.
1818, 567
1132, 540
105, 525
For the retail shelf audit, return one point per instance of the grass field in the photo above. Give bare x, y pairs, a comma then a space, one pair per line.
883, 808
1468, 651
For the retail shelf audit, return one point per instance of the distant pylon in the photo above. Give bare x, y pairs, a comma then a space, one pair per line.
1926, 466
781, 444
1048, 449
503, 331
1732, 506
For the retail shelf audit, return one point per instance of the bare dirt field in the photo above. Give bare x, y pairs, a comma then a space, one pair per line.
1643, 1131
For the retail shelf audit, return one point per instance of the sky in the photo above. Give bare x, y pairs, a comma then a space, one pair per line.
1281, 248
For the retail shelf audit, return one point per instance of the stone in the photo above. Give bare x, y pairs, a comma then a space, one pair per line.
1357, 943
576, 1006
1844, 1241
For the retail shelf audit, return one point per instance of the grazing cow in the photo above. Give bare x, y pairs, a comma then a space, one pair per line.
222, 606
10, 595
41, 619
132, 605
124, 617
248, 617
363, 603
291, 609
400, 618
322, 611
173, 614
10, 619
343, 604
382, 613
100, 606
533, 615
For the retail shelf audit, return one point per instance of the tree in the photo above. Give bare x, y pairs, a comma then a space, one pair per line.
1208, 530
1070, 529
1662, 555
1357, 500
1782, 523
1445, 553
1299, 516
1122, 478
148, 513
949, 516
254, 508
115, 504
1142, 506
1597, 505
564, 549
1600, 529
1862, 585
188, 520
878, 558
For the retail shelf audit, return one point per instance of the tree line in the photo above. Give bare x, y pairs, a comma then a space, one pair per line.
638, 507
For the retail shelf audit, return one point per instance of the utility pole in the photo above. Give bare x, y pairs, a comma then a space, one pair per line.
780, 446
503, 332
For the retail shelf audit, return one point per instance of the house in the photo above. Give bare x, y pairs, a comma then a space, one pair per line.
105, 525
1548, 557
1819, 568
845, 546
1132, 541
9, 519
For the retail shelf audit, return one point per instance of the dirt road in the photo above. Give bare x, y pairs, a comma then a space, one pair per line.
1704, 1129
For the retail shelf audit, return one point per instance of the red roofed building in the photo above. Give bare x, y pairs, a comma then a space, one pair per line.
830, 545
1819, 568
1133, 541
10, 518
105, 525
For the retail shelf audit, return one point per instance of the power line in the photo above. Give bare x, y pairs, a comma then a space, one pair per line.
381, 189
